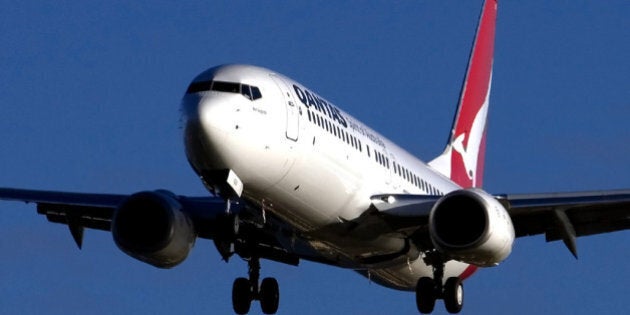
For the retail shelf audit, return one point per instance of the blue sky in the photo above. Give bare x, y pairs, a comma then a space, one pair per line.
89, 96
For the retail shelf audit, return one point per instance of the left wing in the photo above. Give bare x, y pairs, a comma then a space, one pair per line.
565, 216
560, 216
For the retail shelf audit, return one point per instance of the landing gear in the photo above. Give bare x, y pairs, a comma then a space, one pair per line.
428, 290
269, 295
246, 290
241, 296
453, 295
425, 295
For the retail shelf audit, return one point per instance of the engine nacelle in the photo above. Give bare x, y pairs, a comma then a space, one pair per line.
151, 227
471, 226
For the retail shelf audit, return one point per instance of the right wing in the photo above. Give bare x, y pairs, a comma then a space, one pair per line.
263, 236
93, 211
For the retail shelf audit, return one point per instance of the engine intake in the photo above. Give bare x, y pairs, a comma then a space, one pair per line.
151, 227
471, 226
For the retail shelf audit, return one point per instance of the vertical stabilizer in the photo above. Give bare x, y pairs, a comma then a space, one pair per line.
463, 159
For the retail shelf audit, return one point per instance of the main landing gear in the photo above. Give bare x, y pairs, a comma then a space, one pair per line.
246, 290
428, 290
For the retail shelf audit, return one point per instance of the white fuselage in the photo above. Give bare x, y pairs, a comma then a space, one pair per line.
309, 163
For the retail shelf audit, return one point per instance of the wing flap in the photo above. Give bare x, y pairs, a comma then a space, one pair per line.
98, 218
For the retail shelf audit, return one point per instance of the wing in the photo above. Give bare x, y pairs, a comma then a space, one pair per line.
262, 235
77, 210
559, 216
566, 216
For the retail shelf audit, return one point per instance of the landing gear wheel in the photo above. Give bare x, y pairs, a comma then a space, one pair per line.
425, 295
241, 296
453, 295
269, 296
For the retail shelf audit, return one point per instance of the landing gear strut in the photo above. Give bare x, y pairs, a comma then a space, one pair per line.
246, 290
428, 290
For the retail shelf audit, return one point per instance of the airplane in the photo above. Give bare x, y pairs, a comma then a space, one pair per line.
264, 144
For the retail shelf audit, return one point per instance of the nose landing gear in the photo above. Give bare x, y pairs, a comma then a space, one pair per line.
246, 290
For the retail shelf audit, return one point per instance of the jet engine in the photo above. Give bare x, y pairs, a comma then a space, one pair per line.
471, 226
151, 227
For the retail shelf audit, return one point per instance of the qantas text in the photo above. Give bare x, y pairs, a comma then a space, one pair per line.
312, 100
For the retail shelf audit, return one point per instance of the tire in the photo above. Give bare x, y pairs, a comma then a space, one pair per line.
269, 296
425, 295
241, 296
453, 295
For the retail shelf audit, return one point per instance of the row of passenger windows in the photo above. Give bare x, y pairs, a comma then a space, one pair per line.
404, 173
379, 157
249, 91
415, 180
333, 129
346, 137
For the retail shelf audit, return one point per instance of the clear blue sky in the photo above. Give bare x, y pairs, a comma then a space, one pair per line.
89, 96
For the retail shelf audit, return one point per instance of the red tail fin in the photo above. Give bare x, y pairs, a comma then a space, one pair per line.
463, 158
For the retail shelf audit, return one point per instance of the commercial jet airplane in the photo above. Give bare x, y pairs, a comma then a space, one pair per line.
293, 177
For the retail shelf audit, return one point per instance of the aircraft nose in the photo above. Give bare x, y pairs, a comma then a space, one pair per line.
208, 123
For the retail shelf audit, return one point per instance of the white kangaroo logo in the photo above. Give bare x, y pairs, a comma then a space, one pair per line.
470, 153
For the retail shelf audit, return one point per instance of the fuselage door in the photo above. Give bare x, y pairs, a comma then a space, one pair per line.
293, 115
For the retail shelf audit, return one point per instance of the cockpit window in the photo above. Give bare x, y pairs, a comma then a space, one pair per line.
199, 86
245, 90
250, 92
226, 87
256, 93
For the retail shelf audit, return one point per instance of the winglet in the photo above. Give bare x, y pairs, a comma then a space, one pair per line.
463, 159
